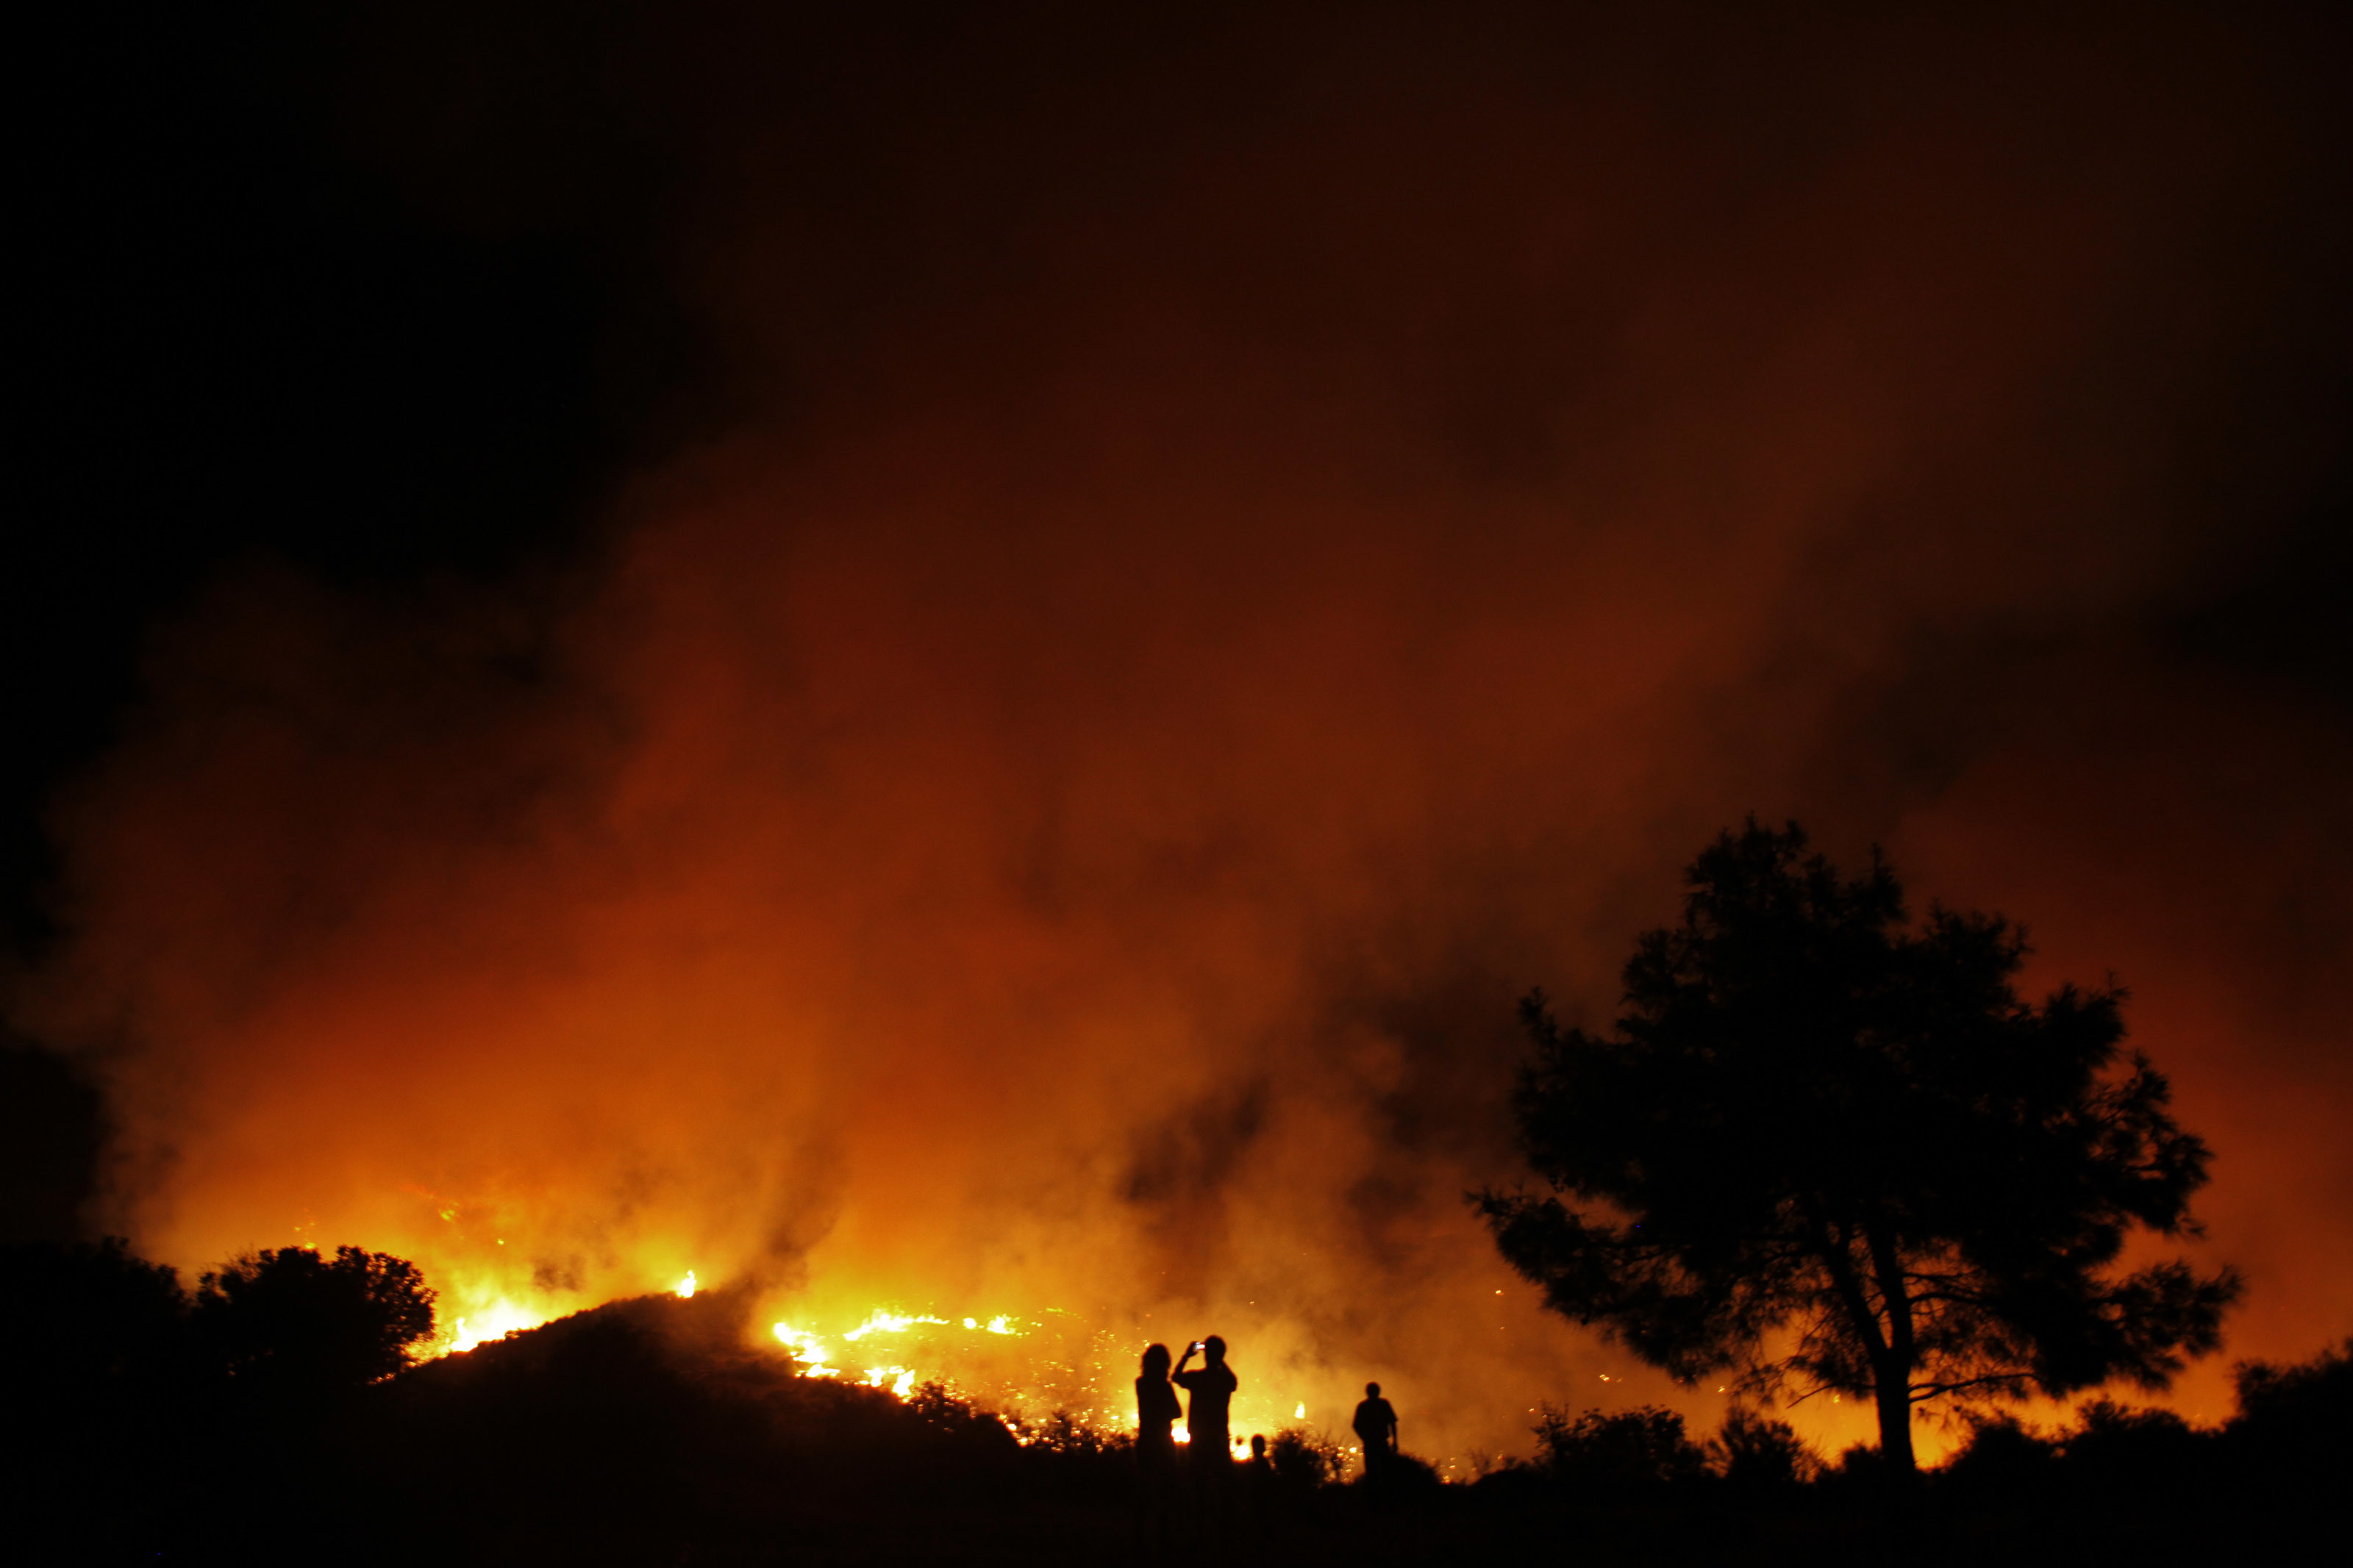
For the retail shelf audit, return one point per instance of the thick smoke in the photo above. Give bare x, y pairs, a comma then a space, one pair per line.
1220, 560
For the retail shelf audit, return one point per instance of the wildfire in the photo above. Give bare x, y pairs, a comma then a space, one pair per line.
808, 1348
882, 1323
811, 1347
496, 1321
899, 1380
1085, 1378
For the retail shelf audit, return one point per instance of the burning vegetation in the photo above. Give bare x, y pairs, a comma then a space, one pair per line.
696, 1415
1087, 601
216, 1428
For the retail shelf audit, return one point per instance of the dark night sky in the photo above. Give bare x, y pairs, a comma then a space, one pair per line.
248, 342
245, 342
391, 308
260, 334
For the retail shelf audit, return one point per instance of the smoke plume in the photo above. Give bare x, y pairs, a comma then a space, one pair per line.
1200, 566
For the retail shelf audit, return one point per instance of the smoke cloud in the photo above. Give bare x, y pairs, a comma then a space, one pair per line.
1202, 566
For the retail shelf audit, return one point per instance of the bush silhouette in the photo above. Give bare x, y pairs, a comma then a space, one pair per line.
2115, 1446
1599, 1451
2000, 1456
1754, 1451
2295, 1425
2301, 1401
1303, 1460
290, 1324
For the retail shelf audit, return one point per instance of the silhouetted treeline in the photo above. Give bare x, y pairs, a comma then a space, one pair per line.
143, 1416
2289, 1440
269, 1416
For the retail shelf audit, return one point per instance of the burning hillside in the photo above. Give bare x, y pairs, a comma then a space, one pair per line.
1177, 568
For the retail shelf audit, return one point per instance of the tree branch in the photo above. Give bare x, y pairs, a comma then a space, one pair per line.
1921, 1392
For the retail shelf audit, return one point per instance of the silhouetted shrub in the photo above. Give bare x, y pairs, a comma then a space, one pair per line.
1751, 1450
2000, 1456
1071, 1458
1404, 1476
1626, 1448
2295, 1425
1860, 1464
288, 1323
2117, 1446
1064, 1434
1303, 1460
1397, 1477
2305, 1402
944, 1411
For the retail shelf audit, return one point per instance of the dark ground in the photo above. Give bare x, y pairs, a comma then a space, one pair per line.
639, 1433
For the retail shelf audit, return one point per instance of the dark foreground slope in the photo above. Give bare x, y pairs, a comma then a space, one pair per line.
643, 1432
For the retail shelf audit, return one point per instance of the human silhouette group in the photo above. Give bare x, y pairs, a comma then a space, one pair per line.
1198, 1488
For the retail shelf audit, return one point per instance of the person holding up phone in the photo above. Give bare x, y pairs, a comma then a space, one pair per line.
1207, 1418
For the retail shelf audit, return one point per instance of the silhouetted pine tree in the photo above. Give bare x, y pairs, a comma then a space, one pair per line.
1819, 1128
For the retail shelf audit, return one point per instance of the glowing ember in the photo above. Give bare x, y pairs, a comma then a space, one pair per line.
1299, 1413
686, 1285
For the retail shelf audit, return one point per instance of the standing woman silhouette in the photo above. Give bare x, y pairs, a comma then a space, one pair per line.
1156, 1411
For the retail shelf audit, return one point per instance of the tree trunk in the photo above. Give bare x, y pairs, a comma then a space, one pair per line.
1894, 1391
1891, 1378
1889, 1349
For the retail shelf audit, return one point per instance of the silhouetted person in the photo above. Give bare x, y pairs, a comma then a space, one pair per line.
1258, 1480
1156, 1411
1377, 1425
1206, 1422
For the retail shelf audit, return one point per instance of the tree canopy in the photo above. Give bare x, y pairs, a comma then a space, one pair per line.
290, 1321
1833, 1149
